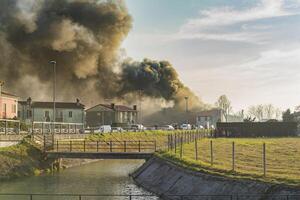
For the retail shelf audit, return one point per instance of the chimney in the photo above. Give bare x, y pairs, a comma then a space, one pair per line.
134, 107
29, 101
77, 102
112, 106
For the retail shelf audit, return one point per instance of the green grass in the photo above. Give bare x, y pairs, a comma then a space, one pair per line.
21, 160
282, 158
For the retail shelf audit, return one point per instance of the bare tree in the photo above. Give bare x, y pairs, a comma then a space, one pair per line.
225, 105
264, 111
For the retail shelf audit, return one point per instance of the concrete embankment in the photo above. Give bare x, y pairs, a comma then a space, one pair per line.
164, 178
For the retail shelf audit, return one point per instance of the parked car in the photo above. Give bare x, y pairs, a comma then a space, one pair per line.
168, 128
117, 129
185, 127
103, 129
137, 127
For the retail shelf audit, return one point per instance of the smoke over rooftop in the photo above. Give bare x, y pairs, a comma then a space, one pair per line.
84, 37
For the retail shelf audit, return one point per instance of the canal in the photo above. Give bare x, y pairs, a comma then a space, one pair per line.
101, 177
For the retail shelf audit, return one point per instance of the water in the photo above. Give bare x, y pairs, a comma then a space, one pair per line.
103, 177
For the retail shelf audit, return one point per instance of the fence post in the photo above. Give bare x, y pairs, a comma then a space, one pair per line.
155, 146
57, 145
175, 143
139, 146
196, 149
83, 145
71, 146
97, 146
211, 153
181, 147
124, 146
233, 156
44, 143
110, 146
264, 158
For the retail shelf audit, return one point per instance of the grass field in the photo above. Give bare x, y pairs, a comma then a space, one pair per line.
282, 158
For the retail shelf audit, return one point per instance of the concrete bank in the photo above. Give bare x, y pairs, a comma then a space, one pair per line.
165, 178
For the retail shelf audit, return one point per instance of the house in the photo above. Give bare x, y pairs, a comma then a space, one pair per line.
209, 118
38, 111
8, 104
111, 114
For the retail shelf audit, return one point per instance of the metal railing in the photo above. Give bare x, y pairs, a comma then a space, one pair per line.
146, 196
9, 126
104, 146
56, 127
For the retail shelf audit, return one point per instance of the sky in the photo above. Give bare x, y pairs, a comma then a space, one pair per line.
246, 49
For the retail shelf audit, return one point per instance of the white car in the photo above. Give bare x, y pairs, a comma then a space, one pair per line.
168, 128
185, 127
104, 129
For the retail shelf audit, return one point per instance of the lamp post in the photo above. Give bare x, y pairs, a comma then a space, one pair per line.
54, 89
186, 104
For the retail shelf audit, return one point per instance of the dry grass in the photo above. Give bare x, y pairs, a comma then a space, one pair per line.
282, 158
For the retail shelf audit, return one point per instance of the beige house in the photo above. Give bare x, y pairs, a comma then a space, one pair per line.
111, 114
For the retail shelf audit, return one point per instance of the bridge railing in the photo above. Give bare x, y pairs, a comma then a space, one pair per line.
104, 146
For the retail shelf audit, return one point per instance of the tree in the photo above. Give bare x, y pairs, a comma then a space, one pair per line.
264, 111
287, 116
225, 105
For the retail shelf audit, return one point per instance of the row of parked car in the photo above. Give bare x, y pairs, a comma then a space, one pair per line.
138, 127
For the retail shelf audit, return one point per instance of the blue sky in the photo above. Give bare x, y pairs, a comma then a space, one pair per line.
246, 49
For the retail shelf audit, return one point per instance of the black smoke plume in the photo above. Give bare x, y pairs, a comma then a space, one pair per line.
84, 37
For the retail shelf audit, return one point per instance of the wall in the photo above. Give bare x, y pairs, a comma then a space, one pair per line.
164, 178
10, 102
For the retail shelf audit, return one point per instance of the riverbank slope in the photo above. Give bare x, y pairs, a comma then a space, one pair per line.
163, 177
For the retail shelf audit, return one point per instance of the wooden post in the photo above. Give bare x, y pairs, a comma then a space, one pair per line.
211, 153
44, 143
124, 146
68, 128
71, 146
196, 149
97, 146
110, 146
155, 146
57, 145
83, 145
181, 147
175, 143
75, 128
60, 127
264, 159
233, 156
139, 146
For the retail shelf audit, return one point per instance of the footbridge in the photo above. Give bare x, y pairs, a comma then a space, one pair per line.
101, 149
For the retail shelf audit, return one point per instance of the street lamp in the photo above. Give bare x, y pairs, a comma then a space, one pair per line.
186, 104
54, 88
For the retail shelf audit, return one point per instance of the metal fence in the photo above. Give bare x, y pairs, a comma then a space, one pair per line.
56, 127
143, 197
8, 126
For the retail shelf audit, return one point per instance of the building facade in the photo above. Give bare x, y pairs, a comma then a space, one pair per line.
111, 114
37, 111
209, 118
8, 104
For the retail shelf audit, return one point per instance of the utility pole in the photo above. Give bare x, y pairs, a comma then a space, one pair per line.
186, 108
140, 106
54, 89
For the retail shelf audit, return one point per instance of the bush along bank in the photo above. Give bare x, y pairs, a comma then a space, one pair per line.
166, 178
21, 160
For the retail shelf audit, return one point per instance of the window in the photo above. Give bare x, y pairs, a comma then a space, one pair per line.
13, 108
70, 114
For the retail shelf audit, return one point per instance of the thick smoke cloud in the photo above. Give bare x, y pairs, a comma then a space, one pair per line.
84, 37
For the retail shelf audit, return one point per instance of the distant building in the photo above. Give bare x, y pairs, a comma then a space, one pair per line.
210, 118
38, 111
111, 114
8, 104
